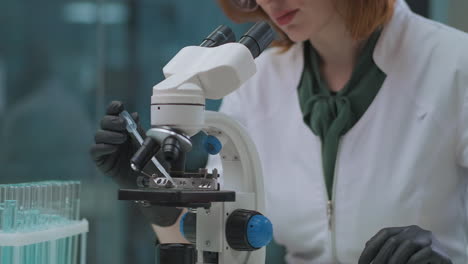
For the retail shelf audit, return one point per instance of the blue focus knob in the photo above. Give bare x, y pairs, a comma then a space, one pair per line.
259, 231
248, 230
188, 227
212, 145
181, 227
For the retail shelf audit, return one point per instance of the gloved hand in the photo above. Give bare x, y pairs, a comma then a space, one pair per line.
112, 153
400, 245
114, 147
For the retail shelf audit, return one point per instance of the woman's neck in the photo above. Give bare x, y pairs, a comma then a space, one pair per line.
338, 52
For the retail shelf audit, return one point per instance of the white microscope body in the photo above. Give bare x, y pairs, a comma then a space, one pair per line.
193, 75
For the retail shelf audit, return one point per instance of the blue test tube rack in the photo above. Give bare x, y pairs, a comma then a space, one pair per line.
40, 223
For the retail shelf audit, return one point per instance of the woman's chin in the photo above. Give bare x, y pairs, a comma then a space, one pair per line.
295, 34
296, 38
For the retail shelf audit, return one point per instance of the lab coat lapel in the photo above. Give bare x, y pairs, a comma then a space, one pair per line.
391, 39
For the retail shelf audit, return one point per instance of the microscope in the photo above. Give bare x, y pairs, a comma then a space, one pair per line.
224, 221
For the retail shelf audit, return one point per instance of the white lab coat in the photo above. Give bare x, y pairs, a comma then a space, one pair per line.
403, 163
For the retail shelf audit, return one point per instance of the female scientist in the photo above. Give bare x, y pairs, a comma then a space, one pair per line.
360, 117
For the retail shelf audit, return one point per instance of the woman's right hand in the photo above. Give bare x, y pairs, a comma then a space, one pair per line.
114, 147
112, 151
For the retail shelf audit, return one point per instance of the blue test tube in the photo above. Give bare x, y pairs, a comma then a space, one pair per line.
9, 215
10, 211
35, 208
3, 189
27, 205
48, 203
58, 202
83, 248
53, 199
20, 205
74, 254
62, 202
7, 254
2, 205
2, 209
68, 200
76, 200
43, 195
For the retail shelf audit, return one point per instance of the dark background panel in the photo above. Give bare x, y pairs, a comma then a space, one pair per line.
421, 6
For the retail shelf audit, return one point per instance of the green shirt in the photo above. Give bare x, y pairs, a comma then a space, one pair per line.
330, 115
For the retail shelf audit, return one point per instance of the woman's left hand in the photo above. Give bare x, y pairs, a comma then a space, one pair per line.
399, 245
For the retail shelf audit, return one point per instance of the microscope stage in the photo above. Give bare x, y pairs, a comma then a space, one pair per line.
177, 198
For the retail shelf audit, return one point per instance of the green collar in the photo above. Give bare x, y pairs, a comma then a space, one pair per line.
330, 115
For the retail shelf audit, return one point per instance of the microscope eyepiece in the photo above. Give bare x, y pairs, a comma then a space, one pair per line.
258, 38
219, 36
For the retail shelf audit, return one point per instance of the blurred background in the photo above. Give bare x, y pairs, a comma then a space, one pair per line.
63, 61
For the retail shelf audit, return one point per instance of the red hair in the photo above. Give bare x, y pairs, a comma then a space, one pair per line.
362, 17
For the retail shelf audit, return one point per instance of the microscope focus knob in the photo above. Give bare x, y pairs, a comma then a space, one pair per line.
188, 227
212, 145
248, 230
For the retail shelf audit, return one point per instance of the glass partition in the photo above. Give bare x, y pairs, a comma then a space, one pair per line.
61, 62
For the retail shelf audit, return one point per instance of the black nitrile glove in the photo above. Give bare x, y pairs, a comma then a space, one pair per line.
112, 153
403, 245
114, 146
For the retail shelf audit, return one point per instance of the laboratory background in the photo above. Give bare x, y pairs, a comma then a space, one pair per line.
63, 61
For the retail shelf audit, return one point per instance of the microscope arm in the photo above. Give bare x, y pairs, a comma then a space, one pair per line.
238, 154
241, 172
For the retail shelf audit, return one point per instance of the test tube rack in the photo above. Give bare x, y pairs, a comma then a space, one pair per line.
40, 223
